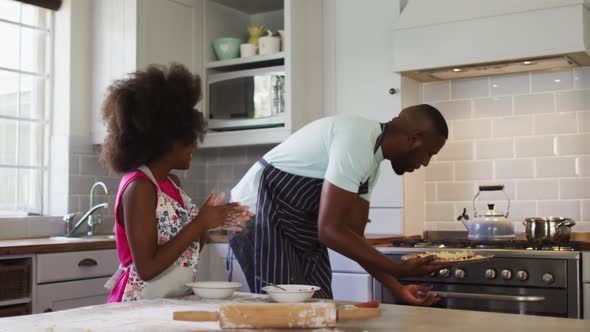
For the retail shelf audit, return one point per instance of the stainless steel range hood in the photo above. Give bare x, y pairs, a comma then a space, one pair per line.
452, 39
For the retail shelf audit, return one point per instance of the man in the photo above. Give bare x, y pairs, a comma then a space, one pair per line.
312, 192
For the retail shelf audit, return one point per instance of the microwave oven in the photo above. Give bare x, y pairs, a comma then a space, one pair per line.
247, 99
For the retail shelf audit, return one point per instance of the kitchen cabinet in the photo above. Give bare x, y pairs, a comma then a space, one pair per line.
360, 80
16, 283
350, 282
72, 279
130, 34
586, 284
302, 47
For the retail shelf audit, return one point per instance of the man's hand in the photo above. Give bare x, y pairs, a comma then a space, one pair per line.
421, 266
416, 295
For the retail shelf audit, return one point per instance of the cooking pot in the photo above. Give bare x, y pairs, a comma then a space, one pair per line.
492, 225
556, 230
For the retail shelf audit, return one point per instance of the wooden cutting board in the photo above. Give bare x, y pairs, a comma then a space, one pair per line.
277, 315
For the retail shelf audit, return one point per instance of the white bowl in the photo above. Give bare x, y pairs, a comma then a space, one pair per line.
293, 293
214, 289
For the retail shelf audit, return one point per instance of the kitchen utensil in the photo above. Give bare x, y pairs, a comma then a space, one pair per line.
227, 48
492, 225
270, 284
276, 315
554, 230
291, 293
269, 44
214, 289
247, 50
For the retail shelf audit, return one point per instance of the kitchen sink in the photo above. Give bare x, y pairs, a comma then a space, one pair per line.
78, 238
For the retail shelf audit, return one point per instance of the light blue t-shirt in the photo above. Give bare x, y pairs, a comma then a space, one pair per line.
340, 149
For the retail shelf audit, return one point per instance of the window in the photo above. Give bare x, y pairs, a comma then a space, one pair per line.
25, 32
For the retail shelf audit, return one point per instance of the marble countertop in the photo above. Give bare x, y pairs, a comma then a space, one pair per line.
156, 315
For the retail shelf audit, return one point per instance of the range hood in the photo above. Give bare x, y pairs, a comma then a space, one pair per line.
452, 39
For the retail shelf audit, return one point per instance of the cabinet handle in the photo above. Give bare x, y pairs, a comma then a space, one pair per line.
392, 91
86, 262
48, 310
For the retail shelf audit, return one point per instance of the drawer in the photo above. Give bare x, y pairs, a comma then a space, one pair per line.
76, 265
586, 266
352, 287
341, 263
70, 295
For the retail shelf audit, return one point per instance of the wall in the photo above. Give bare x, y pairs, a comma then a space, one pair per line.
530, 132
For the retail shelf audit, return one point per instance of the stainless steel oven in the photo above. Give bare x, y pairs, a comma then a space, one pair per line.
514, 281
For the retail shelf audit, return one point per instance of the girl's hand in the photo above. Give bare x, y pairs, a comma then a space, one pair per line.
213, 214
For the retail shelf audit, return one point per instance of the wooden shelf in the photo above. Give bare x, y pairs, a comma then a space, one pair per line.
246, 61
16, 301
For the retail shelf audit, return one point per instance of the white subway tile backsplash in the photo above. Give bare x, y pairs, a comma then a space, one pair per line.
583, 122
473, 170
89, 165
496, 196
471, 129
510, 84
568, 209
456, 151
437, 91
495, 148
519, 210
470, 88
585, 210
456, 109
430, 192
540, 146
553, 80
17, 227
514, 169
582, 78
439, 211
534, 104
80, 185
556, 167
439, 171
574, 144
574, 188
583, 165
537, 189
555, 123
492, 107
513, 126
455, 191
576, 100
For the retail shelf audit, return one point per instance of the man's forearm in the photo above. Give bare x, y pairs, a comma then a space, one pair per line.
387, 280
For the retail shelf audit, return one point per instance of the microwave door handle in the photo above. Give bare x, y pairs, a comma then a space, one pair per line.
493, 297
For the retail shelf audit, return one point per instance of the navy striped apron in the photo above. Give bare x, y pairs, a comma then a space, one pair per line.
281, 245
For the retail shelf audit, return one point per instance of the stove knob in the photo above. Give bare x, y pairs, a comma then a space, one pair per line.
445, 273
506, 274
459, 274
432, 274
522, 275
548, 278
490, 274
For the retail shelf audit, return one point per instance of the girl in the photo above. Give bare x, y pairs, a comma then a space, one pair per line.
153, 128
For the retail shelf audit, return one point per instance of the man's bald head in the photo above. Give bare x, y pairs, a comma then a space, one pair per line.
424, 117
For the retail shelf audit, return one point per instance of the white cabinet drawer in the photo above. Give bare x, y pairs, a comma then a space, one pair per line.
76, 265
586, 266
341, 263
586, 302
352, 287
71, 294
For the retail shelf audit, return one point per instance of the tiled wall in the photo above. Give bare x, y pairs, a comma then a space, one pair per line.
211, 170
530, 132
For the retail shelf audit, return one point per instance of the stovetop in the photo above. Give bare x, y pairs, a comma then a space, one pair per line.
477, 244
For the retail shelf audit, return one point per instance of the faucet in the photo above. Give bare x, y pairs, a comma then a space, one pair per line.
88, 216
91, 221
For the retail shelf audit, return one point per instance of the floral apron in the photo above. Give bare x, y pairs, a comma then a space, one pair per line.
171, 217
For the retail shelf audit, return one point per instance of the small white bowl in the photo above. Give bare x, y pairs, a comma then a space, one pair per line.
214, 289
293, 293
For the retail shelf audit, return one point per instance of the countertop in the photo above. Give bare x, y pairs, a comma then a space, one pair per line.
156, 315
55, 244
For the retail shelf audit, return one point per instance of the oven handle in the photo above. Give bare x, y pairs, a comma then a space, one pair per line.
477, 296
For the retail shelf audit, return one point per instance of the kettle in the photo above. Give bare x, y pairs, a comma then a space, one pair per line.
492, 225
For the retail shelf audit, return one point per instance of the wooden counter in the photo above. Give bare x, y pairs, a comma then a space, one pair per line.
48, 244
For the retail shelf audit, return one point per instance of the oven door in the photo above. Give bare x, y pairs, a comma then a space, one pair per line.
518, 300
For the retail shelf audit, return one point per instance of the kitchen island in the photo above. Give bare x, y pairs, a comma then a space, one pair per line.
156, 315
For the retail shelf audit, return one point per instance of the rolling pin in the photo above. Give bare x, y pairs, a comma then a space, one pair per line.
277, 315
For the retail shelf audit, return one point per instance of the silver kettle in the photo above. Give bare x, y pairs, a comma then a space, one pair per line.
492, 225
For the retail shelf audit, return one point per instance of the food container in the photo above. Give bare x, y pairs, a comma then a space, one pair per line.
247, 50
214, 289
292, 294
554, 230
269, 45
